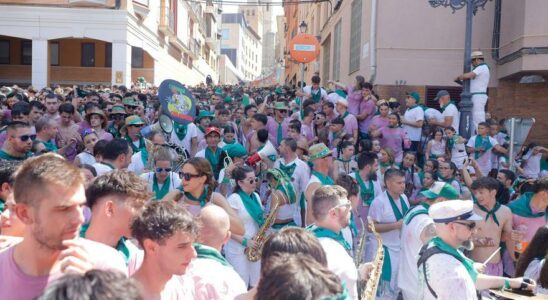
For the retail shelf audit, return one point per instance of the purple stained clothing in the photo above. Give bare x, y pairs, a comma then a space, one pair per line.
272, 127
367, 106
83, 126
350, 124
379, 122
308, 131
393, 138
354, 100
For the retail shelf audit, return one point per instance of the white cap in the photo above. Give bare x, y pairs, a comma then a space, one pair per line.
333, 98
342, 101
453, 210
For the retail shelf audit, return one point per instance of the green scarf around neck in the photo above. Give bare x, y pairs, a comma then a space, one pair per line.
202, 199
397, 213
442, 108
320, 232
288, 169
160, 193
419, 211
213, 159
324, 179
468, 263
253, 207
491, 212
180, 130
522, 207
367, 193
483, 142
207, 252
142, 148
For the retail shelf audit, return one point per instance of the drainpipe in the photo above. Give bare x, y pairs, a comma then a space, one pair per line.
495, 42
373, 42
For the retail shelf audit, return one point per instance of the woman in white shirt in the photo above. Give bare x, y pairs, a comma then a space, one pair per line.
532, 262
248, 207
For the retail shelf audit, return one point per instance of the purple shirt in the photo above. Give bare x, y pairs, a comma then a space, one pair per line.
307, 131
379, 122
350, 124
393, 138
272, 127
368, 107
354, 99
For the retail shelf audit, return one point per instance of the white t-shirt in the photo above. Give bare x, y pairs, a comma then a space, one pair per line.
448, 278
480, 83
452, 111
432, 113
101, 168
191, 132
250, 226
174, 181
340, 263
531, 169
414, 115
410, 246
308, 90
137, 166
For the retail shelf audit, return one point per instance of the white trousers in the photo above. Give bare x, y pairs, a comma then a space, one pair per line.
478, 109
249, 271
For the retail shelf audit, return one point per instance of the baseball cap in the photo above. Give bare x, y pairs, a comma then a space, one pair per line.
441, 94
441, 189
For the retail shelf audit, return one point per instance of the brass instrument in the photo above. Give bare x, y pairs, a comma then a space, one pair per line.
182, 156
254, 254
371, 286
358, 255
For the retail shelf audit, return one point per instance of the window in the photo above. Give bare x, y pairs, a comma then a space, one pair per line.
88, 54
355, 36
26, 52
4, 52
225, 34
54, 53
108, 55
136, 57
337, 51
326, 50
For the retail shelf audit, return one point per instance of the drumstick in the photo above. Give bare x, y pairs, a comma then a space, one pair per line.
491, 257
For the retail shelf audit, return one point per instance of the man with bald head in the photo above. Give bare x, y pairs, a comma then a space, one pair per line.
222, 280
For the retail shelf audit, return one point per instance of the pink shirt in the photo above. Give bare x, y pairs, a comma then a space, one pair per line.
308, 131
218, 281
272, 127
14, 284
379, 122
350, 124
354, 99
393, 138
368, 107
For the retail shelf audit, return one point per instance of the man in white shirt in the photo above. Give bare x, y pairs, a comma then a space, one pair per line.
449, 112
117, 155
418, 228
413, 119
314, 92
387, 211
479, 81
299, 172
331, 209
481, 145
444, 271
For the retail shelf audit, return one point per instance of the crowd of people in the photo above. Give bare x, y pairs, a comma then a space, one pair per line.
270, 193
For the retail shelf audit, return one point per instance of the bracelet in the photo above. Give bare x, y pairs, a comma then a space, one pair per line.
506, 284
244, 242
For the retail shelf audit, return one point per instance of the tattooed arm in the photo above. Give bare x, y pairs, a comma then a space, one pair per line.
428, 233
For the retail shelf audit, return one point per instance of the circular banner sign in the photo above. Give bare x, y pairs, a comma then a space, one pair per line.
177, 101
304, 48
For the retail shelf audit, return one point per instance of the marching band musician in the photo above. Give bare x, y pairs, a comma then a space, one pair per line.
322, 159
137, 165
196, 191
299, 173
248, 207
162, 180
237, 154
132, 133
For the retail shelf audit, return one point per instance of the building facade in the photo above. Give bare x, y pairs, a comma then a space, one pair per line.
66, 42
242, 45
408, 45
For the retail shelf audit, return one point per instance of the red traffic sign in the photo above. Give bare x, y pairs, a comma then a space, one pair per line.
304, 48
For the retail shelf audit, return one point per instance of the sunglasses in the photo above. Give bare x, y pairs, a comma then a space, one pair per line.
117, 117
26, 137
346, 204
283, 111
251, 180
188, 176
160, 170
136, 125
470, 226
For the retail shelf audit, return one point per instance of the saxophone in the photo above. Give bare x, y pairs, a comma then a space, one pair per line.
371, 287
254, 254
358, 256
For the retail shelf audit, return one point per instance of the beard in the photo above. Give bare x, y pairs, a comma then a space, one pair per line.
468, 245
373, 176
48, 241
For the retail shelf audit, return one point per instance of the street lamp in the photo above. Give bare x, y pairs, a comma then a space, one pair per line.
303, 27
466, 128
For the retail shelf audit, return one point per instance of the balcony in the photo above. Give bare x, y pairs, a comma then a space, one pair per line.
167, 20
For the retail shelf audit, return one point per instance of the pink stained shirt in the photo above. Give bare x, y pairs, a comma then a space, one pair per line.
367, 106
272, 127
350, 124
308, 131
379, 122
14, 284
217, 281
354, 100
393, 138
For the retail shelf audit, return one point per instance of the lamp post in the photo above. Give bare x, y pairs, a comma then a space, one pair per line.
466, 128
302, 28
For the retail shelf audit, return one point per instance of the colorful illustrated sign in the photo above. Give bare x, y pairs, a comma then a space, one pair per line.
177, 101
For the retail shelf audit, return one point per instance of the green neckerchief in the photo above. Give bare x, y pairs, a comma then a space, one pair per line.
202, 129
253, 207
345, 115
404, 169
522, 207
447, 180
386, 273
108, 165
202, 199
421, 176
343, 160
468, 263
316, 96
204, 251
49, 145
491, 212
142, 148
384, 165
421, 211
367, 194
352, 224
213, 159
397, 213
280, 132
288, 169
229, 143
113, 130
320, 232
442, 108
180, 130
160, 193
120, 246
451, 142
482, 142
412, 106
341, 296
482, 64
2, 205
324, 179
6, 156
